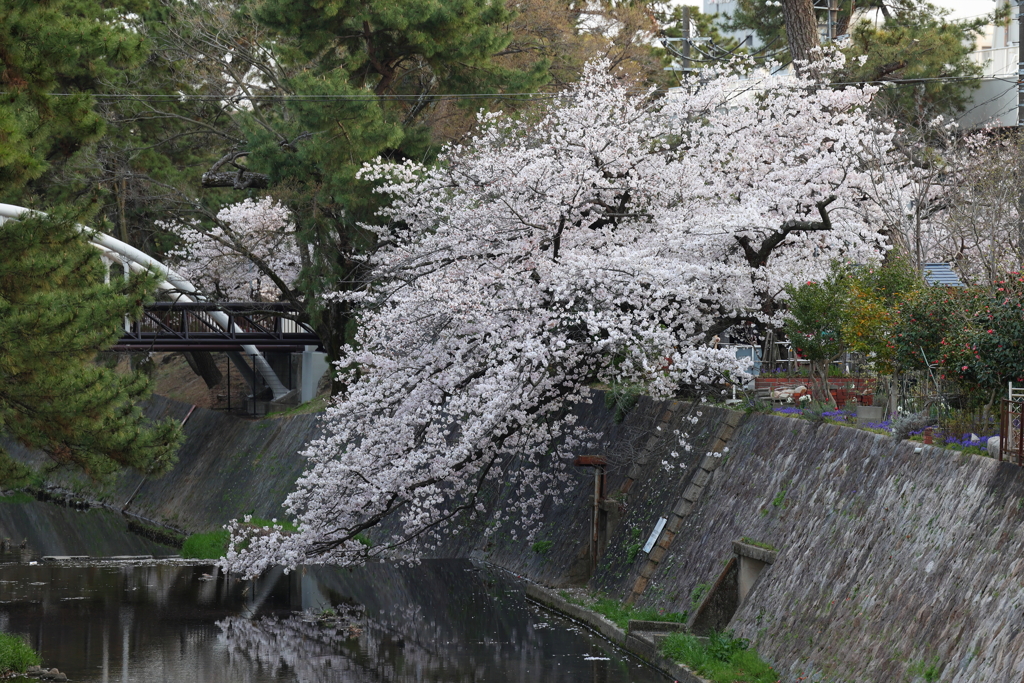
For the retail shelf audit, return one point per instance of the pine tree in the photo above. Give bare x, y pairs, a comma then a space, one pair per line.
56, 313
375, 68
52, 53
915, 42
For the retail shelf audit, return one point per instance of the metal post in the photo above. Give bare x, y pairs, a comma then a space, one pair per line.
228, 361
686, 39
1020, 63
1019, 405
831, 37
254, 380
1020, 120
597, 517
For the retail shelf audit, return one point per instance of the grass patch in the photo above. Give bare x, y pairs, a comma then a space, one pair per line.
316, 405
633, 549
779, 498
723, 659
208, 546
699, 591
542, 547
929, 671
621, 614
214, 544
17, 497
15, 654
758, 544
283, 523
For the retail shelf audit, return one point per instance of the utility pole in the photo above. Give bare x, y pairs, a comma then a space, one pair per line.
1020, 63
686, 38
1020, 122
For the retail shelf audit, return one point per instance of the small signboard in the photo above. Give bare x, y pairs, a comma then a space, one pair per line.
654, 534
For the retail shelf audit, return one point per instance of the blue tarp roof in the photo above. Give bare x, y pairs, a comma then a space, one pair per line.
941, 275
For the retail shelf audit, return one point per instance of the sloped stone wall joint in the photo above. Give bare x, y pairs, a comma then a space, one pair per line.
683, 507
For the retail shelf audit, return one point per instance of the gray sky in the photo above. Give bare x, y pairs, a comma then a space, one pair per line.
963, 9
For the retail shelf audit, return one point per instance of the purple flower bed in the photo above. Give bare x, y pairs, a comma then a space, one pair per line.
847, 416
966, 441
789, 410
841, 415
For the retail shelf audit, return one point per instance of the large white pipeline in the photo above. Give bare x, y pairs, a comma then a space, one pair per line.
172, 283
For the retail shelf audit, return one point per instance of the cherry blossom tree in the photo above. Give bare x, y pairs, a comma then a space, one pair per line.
979, 216
957, 199
608, 241
250, 254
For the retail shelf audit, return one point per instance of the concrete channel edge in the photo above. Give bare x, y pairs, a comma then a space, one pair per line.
549, 599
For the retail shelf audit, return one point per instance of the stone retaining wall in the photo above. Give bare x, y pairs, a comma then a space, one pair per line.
892, 564
226, 467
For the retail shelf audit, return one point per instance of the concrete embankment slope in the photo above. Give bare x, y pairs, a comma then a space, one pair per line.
226, 467
892, 564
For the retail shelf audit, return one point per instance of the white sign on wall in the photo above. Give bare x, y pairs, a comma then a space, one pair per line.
654, 534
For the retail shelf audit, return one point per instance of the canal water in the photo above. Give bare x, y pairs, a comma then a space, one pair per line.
439, 621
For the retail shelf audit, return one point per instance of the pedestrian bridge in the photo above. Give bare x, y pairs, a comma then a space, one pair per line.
186, 321
179, 326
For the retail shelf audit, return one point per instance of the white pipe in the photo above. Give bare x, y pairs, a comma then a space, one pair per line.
172, 283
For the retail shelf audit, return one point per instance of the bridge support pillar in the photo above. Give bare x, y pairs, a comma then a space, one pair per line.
242, 365
314, 365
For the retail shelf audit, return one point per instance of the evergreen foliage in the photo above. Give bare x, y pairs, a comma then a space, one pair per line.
816, 313
915, 41
870, 321
54, 52
983, 337
56, 313
856, 308
388, 61
923, 323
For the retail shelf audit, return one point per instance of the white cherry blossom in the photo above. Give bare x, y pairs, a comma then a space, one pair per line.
607, 241
247, 255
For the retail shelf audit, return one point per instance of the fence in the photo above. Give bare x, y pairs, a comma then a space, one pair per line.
1011, 443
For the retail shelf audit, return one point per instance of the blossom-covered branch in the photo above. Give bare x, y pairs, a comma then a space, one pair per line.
250, 254
603, 242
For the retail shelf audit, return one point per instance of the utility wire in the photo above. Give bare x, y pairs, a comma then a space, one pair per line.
178, 97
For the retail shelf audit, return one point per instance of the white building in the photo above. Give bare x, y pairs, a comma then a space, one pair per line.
725, 9
995, 102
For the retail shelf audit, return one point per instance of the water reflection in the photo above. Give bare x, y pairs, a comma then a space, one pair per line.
47, 529
440, 621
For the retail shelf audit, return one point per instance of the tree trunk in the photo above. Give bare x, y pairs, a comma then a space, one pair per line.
801, 28
819, 383
202, 364
239, 180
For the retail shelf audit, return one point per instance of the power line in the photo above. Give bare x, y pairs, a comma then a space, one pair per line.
180, 97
